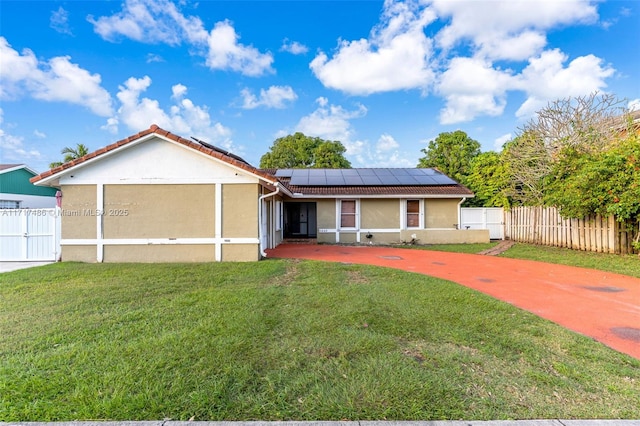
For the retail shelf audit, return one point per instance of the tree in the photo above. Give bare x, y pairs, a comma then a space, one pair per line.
606, 182
582, 125
71, 154
299, 151
490, 179
529, 163
451, 153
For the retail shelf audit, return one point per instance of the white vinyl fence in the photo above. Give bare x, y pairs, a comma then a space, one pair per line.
491, 218
29, 234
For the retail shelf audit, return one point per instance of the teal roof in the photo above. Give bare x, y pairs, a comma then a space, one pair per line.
16, 181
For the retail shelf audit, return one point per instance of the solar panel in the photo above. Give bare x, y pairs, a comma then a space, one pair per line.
350, 172
300, 177
220, 150
420, 172
366, 172
383, 172
353, 180
371, 180
399, 172
318, 181
443, 179
407, 180
365, 177
284, 173
335, 180
425, 180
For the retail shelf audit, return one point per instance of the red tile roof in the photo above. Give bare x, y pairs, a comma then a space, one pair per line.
269, 174
157, 130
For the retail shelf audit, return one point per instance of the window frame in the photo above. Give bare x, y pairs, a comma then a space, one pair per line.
406, 213
279, 215
355, 214
10, 204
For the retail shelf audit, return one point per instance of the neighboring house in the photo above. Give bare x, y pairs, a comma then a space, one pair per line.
157, 197
17, 192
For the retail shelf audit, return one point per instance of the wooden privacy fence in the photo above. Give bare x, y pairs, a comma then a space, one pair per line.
544, 225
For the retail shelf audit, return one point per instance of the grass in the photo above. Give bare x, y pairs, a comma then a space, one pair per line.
621, 264
285, 339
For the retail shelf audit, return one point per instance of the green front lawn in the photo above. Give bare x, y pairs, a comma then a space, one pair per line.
286, 339
621, 264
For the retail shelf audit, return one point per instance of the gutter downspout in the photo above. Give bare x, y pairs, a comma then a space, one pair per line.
460, 212
261, 231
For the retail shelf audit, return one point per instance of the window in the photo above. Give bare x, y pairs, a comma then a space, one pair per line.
278, 215
348, 214
413, 213
9, 204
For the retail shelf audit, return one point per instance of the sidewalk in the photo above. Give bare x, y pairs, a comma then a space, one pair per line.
14, 266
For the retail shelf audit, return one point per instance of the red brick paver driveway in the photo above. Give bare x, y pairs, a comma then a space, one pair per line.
602, 305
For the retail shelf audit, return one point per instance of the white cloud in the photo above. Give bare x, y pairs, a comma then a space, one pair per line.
385, 154
152, 57
273, 97
331, 122
498, 144
57, 80
59, 21
396, 56
178, 91
293, 47
386, 143
513, 31
546, 79
160, 21
508, 29
634, 105
150, 21
386, 159
226, 53
38, 134
12, 147
183, 117
472, 87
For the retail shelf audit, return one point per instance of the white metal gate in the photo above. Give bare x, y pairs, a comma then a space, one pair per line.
491, 218
29, 234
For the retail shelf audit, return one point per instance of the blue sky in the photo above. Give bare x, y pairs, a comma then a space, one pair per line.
383, 78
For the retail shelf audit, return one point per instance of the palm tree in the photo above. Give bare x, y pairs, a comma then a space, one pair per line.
71, 154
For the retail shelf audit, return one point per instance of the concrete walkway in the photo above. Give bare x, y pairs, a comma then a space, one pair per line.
14, 266
602, 305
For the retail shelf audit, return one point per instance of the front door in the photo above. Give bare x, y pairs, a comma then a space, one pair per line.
300, 220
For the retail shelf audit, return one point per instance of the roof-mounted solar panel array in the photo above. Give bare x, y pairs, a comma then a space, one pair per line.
220, 150
365, 177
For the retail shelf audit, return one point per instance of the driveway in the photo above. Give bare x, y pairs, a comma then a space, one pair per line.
601, 305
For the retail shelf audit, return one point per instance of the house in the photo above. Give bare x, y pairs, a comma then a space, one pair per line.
158, 197
17, 192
